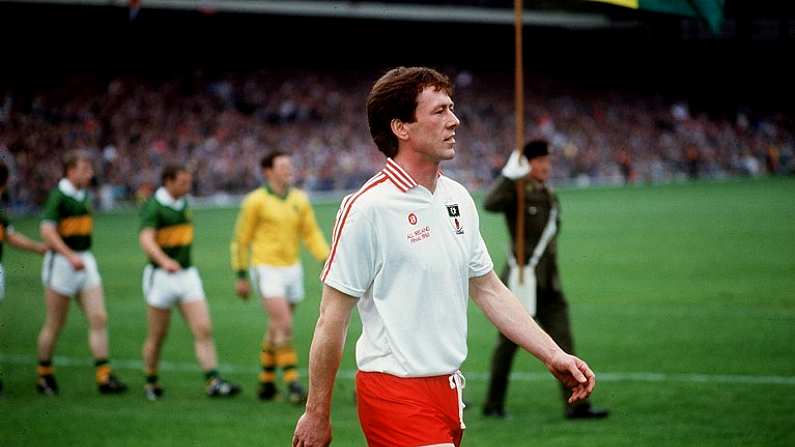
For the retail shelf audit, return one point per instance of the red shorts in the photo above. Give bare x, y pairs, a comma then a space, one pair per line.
408, 412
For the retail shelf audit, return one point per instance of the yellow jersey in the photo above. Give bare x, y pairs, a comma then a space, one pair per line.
269, 229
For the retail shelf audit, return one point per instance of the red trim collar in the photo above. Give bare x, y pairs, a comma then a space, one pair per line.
402, 179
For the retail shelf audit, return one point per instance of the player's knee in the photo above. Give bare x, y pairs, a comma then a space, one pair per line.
155, 339
49, 330
203, 331
282, 321
281, 330
54, 324
98, 320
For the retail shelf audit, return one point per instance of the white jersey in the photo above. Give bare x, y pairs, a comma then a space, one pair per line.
408, 255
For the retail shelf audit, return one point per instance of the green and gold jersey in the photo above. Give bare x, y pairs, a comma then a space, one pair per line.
5, 229
171, 220
69, 209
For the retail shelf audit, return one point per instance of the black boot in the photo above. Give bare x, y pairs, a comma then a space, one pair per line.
586, 411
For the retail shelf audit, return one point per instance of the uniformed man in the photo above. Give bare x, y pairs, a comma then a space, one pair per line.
541, 290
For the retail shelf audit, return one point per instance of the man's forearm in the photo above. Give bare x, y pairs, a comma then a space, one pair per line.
501, 196
53, 240
326, 351
147, 241
324, 361
21, 242
506, 313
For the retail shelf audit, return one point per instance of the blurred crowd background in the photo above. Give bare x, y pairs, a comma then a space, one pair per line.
221, 125
635, 102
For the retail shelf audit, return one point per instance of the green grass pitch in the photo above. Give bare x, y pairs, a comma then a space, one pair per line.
682, 299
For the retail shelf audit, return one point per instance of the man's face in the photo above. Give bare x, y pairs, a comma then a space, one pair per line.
81, 173
541, 168
433, 132
180, 185
281, 172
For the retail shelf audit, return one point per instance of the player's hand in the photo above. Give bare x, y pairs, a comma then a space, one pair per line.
242, 288
574, 374
312, 431
170, 265
516, 167
76, 262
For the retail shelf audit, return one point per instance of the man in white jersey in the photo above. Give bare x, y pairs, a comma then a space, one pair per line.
407, 251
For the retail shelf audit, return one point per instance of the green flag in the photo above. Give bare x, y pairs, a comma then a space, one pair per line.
709, 10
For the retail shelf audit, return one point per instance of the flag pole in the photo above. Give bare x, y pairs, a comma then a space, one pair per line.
519, 102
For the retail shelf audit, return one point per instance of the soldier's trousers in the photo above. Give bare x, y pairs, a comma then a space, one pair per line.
552, 314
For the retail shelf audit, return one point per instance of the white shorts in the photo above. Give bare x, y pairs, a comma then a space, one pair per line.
278, 282
163, 289
58, 274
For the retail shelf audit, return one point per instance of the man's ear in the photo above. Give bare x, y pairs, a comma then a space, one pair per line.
399, 129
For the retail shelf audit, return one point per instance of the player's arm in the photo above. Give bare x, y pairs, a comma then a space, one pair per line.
149, 245
22, 242
503, 309
49, 232
150, 220
314, 427
241, 242
312, 236
50, 236
501, 196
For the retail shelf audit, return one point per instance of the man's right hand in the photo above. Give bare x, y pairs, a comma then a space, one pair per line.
170, 265
312, 431
76, 262
516, 167
242, 288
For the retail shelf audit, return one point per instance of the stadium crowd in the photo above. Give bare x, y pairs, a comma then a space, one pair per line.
221, 125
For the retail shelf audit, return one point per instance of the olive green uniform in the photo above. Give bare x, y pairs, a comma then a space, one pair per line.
551, 308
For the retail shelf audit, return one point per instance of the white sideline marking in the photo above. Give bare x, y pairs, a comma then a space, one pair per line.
61, 361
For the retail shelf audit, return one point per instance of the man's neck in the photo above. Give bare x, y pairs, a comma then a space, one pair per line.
73, 183
171, 194
277, 188
537, 182
424, 171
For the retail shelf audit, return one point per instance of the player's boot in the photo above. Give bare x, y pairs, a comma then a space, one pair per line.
153, 391
111, 385
47, 385
296, 393
219, 387
585, 411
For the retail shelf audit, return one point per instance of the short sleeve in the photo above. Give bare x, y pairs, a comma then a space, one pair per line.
50, 211
9, 229
149, 215
351, 266
480, 262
